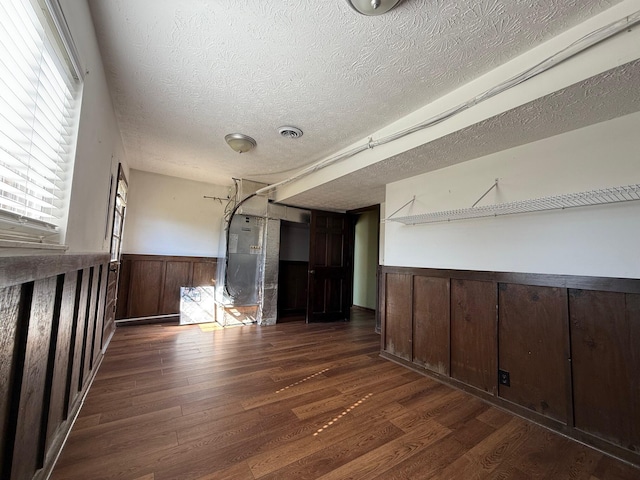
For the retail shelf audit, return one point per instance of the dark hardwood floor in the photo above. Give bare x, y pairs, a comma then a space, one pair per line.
297, 401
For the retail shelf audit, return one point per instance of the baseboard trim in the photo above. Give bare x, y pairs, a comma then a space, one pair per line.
363, 309
171, 318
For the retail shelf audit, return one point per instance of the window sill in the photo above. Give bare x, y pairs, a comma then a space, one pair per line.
32, 245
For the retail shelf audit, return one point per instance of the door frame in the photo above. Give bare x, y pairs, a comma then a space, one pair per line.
113, 274
354, 214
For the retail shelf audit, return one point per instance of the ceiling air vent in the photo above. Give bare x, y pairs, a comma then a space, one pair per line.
290, 132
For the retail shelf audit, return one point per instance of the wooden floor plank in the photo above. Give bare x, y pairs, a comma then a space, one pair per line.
338, 454
386, 457
297, 401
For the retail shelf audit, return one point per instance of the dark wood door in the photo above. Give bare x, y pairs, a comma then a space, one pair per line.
117, 229
329, 267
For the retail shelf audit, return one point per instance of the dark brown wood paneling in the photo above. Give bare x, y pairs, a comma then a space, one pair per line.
23, 269
99, 316
177, 274
37, 350
633, 321
28, 453
10, 304
145, 288
149, 285
292, 287
601, 389
398, 321
627, 285
124, 285
473, 333
431, 323
605, 341
90, 323
109, 325
204, 273
57, 410
78, 338
534, 348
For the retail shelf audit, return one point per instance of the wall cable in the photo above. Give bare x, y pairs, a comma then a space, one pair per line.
573, 49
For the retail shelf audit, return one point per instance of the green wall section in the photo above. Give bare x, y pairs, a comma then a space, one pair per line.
365, 260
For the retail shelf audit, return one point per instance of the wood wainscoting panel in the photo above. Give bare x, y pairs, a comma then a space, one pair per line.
98, 313
569, 344
145, 288
78, 336
28, 452
149, 285
90, 326
10, 312
399, 323
204, 273
605, 345
109, 325
57, 407
633, 356
45, 305
431, 332
533, 338
177, 274
474, 349
123, 286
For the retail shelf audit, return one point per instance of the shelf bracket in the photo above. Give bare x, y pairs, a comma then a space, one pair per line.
410, 201
495, 185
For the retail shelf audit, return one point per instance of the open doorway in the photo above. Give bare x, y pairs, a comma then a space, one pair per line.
360, 253
293, 271
366, 246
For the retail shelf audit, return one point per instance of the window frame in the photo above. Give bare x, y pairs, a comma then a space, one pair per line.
19, 230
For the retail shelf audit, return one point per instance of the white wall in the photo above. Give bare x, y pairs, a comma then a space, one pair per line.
365, 261
99, 146
599, 241
169, 216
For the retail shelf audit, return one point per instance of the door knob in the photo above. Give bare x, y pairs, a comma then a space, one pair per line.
311, 272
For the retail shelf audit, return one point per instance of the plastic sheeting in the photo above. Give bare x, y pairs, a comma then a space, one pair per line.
244, 266
268, 313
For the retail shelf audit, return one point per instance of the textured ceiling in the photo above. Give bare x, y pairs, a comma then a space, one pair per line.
183, 74
606, 96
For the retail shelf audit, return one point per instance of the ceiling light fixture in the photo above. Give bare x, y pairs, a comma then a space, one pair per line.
373, 7
240, 142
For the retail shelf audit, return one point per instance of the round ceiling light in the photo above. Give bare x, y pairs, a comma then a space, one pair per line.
290, 132
373, 7
240, 142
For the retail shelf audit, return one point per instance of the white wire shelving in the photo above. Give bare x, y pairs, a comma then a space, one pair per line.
603, 196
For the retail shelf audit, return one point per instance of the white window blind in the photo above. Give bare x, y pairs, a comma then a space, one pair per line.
37, 95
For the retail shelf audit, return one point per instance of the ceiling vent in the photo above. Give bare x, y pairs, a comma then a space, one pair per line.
290, 132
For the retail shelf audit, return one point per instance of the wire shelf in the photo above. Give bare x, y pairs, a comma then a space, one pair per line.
581, 199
